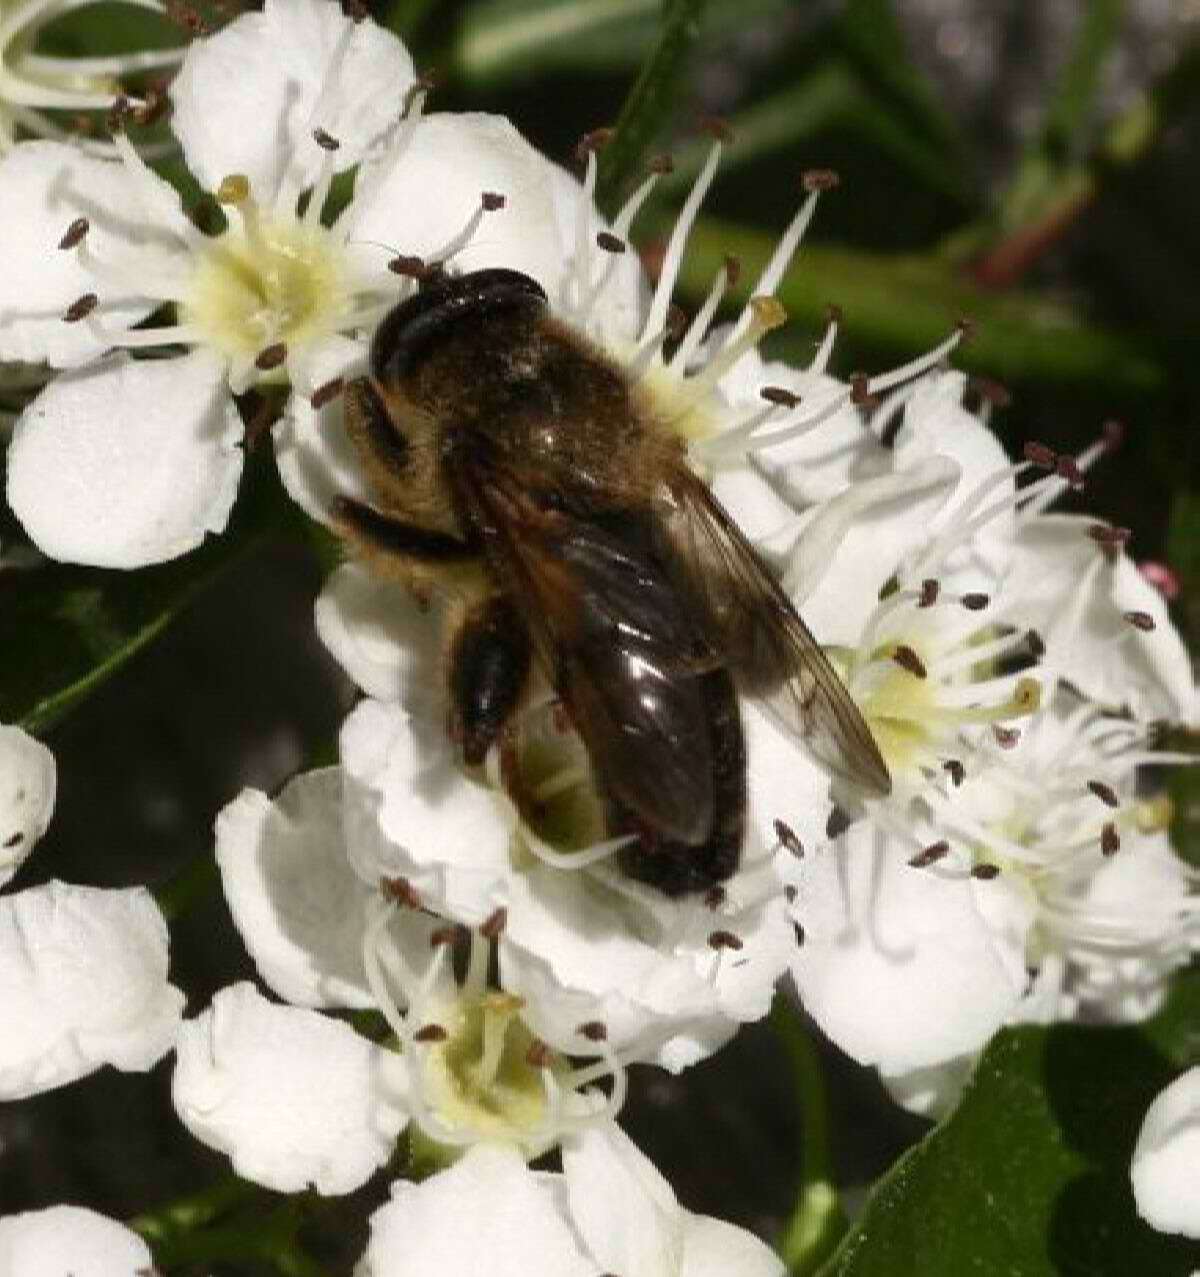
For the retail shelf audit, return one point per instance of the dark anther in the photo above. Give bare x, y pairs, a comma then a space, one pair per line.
955, 770
1140, 621
716, 128
81, 308
493, 201
662, 164
594, 1031
780, 397
430, 1033
326, 141
966, 326
837, 824
271, 357
820, 179
538, 1055
610, 243
798, 930
409, 266
356, 10
186, 16
596, 140
791, 893
1006, 737
991, 392
1033, 641
860, 394
493, 925
714, 897
908, 660
1110, 840
930, 855
444, 935
833, 313
975, 602
152, 107
401, 891
787, 838
1114, 434
327, 392
75, 233
724, 940
1041, 456
1105, 793
930, 590
985, 872
1103, 534
677, 321
14, 840
733, 269
1066, 468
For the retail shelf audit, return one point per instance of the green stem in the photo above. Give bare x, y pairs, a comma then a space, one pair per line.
651, 100
817, 1221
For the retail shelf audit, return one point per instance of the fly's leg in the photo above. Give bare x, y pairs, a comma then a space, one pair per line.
490, 661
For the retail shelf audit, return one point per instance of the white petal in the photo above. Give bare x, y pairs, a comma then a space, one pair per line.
852, 545
126, 463
713, 1248
83, 983
487, 1216
1166, 1161
292, 1097
461, 157
27, 783
299, 906
755, 506
316, 459
1062, 585
70, 1239
897, 965
784, 782
935, 422
47, 186
623, 1208
388, 644
933, 1091
411, 812
248, 98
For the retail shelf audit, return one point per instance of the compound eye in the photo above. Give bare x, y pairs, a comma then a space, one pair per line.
415, 327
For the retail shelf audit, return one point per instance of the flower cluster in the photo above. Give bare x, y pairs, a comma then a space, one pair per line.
455, 949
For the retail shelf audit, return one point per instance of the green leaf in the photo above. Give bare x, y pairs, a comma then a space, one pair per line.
652, 99
65, 630
1030, 1175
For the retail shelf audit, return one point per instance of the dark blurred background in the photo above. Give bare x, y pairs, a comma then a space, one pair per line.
1069, 231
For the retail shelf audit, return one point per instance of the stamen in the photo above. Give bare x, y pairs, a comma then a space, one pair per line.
766, 315
673, 257
820, 361
725, 278
815, 182
487, 204
916, 367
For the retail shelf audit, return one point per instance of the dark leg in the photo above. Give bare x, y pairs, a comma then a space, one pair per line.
385, 535
380, 445
489, 666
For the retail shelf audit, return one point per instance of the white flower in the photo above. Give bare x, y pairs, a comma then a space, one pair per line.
469, 1066
27, 785
609, 1211
83, 980
70, 1239
679, 973
1166, 1161
267, 111
295, 1098
33, 83
896, 964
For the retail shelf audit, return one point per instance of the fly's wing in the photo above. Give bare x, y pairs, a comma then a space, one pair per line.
769, 647
615, 635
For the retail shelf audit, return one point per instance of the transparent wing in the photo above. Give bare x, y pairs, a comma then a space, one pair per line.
769, 647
